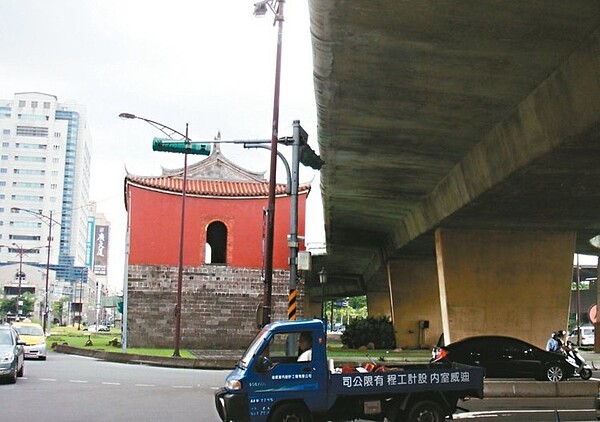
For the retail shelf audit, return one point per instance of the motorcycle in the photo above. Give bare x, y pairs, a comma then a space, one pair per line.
575, 359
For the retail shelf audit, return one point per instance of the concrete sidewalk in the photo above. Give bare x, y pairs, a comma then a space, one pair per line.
226, 359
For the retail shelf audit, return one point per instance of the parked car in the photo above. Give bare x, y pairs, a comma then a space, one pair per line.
587, 335
34, 337
97, 328
506, 357
12, 354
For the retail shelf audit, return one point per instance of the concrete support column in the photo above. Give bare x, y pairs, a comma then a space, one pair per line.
513, 283
378, 304
416, 302
312, 308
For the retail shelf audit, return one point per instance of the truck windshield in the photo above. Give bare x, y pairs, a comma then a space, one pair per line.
252, 349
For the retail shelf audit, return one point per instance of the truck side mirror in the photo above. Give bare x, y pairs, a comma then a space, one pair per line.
263, 364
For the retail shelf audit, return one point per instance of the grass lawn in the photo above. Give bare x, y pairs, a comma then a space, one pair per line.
100, 341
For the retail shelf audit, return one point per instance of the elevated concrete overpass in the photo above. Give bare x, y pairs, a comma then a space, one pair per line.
449, 123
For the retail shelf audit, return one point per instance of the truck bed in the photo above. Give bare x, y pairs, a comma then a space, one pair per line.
410, 379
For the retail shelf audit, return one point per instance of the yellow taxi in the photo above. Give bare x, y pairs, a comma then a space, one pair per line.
34, 337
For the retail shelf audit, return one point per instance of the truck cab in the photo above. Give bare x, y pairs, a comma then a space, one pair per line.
269, 373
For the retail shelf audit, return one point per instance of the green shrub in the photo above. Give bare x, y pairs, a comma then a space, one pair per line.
376, 330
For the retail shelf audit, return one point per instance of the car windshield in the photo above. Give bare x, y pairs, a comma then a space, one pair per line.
5, 337
29, 330
252, 349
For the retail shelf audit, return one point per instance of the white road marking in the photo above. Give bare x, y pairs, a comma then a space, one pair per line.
145, 385
48, 379
110, 383
79, 381
183, 386
500, 413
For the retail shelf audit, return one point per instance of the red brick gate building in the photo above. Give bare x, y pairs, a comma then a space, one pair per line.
223, 254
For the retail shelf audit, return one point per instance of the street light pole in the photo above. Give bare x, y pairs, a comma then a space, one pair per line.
177, 340
260, 9
50, 221
46, 309
187, 141
17, 318
322, 282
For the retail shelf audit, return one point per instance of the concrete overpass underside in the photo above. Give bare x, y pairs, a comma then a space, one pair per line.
441, 120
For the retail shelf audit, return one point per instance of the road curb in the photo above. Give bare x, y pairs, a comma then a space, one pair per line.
575, 388
171, 362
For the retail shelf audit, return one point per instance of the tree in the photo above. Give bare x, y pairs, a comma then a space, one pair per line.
10, 304
58, 309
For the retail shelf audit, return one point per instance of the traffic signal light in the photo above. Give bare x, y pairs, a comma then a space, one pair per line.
309, 157
167, 145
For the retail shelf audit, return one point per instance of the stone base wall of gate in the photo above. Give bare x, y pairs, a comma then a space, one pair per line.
218, 305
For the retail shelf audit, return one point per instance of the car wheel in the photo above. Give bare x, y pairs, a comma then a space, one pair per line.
21, 371
554, 372
426, 411
13, 377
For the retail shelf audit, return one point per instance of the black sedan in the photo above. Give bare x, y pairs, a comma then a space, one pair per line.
505, 357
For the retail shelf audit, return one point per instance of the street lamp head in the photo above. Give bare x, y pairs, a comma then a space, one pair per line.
260, 8
322, 276
127, 116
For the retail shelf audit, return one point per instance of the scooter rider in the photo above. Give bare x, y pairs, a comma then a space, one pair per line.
556, 342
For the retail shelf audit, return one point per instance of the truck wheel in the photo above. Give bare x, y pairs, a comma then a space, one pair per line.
426, 411
554, 372
290, 413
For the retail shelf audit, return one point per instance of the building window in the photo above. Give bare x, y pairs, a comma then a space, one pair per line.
27, 185
216, 243
57, 134
46, 104
27, 198
6, 131
5, 144
32, 131
34, 104
30, 159
30, 172
4, 157
21, 103
23, 237
26, 145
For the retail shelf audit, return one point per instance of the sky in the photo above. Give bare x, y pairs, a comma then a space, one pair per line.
208, 64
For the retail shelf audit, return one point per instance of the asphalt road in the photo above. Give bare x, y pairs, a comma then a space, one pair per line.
73, 388
556, 409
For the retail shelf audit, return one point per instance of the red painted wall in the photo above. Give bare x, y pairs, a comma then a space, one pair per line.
155, 219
